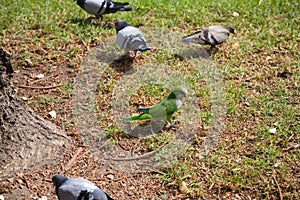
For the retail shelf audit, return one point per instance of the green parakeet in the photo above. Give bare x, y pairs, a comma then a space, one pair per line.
162, 110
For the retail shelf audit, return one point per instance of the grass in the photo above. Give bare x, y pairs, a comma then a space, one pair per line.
259, 65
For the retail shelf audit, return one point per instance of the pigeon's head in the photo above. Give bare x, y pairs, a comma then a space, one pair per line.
120, 25
230, 29
58, 180
178, 93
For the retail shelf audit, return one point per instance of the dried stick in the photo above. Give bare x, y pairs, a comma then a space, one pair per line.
73, 159
279, 190
40, 88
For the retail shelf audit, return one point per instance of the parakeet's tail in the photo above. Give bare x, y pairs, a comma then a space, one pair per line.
142, 116
143, 110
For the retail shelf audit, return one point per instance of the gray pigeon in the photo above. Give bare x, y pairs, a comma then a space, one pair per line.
212, 35
77, 189
101, 7
130, 38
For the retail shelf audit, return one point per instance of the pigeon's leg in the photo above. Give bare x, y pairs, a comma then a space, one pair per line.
89, 19
212, 50
134, 54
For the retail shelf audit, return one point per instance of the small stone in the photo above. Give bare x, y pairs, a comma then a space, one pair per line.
11, 180
268, 58
272, 130
235, 14
24, 98
183, 188
35, 187
29, 62
1, 197
110, 177
40, 76
277, 164
131, 188
52, 114
43, 198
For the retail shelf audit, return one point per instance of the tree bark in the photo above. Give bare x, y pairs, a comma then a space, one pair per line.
27, 141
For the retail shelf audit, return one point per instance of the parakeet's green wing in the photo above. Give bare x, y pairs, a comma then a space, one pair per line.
163, 109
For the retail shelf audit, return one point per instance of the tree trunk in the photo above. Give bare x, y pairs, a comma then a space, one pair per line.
27, 141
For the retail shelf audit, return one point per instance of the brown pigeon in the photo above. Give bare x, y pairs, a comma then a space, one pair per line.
212, 35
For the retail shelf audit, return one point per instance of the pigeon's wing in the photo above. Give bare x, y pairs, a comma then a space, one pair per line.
68, 192
125, 37
138, 42
113, 7
98, 194
95, 7
121, 39
219, 33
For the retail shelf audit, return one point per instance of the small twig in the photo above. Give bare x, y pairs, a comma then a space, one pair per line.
211, 186
42, 79
26, 181
72, 161
279, 190
144, 155
40, 88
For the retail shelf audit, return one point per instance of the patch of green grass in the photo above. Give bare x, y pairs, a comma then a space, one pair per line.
152, 90
175, 172
67, 89
154, 142
45, 99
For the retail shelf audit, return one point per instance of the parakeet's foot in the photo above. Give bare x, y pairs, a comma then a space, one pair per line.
169, 125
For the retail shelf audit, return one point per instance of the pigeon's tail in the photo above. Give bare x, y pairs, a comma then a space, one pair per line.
121, 4
145, 48
193, 38
142, 116
125, 9
118, 6
108, 197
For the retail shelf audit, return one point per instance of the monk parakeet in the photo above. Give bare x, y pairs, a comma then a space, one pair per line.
212, 35
130, 38
162, 110
77, 188
101, 7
